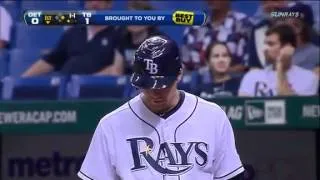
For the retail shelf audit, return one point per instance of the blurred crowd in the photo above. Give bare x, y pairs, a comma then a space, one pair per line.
232, 54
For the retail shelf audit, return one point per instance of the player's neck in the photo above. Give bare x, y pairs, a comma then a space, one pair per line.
173, 103
169, 106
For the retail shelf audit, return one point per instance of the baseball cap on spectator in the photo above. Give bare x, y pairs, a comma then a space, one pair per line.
304, 11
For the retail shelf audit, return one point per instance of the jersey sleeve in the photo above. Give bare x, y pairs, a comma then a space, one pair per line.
227, 163
312, 88
97, 164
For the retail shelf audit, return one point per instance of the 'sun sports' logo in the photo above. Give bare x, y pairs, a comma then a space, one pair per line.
170, 158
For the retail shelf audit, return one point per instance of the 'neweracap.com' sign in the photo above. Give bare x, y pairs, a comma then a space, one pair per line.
38, 117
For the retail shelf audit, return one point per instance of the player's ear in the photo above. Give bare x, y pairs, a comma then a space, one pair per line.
179, 78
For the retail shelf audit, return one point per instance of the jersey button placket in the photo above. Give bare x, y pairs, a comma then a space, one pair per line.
166, 132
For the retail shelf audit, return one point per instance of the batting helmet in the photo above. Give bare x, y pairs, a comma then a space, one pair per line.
157, 63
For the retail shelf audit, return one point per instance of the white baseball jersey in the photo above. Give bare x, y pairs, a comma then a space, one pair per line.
263, 82
133, 143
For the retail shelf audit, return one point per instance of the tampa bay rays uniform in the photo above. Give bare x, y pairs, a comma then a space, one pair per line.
196, 142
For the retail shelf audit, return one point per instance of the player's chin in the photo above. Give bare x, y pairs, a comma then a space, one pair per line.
158, 103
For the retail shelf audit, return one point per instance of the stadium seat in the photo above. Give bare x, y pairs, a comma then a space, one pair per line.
21, 59
34, 88
37, 36
188, 83
93, 87
4, 56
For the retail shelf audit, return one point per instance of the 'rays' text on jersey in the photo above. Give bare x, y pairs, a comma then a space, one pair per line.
171, 158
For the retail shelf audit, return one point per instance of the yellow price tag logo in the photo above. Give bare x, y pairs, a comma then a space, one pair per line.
183, 17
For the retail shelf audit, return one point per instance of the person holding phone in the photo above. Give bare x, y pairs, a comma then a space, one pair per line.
281, 77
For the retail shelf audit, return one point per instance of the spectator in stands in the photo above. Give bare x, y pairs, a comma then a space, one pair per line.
307, 54
133, 36
225, 25
83, 50
262, 21
5, 27
265, 9
221, 83
281, 77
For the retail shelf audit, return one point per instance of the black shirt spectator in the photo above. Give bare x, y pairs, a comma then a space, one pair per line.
129, 43
84, 50
75, 54
215, 79
228, 88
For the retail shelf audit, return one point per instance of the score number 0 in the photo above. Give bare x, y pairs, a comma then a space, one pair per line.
34, 20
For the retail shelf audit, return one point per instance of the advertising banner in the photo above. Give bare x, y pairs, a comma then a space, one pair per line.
285, 155
82, 116
47, 157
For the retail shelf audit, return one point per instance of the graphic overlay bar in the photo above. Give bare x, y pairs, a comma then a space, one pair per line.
179, 17
51, 17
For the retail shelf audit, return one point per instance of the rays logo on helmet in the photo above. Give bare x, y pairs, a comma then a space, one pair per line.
151, 66
157, 53
152, 44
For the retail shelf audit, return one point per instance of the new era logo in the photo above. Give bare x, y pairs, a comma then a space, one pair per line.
254, 112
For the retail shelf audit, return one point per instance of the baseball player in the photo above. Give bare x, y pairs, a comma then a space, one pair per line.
162, 133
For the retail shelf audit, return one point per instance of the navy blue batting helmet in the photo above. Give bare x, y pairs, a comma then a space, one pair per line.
157, 63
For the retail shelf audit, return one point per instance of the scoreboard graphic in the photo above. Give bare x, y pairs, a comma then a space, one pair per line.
179, 17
